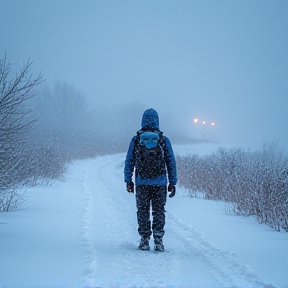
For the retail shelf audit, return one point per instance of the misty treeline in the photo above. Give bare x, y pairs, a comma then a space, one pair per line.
43, 128
247, 183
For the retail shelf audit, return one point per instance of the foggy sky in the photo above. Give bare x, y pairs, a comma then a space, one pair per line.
222, 61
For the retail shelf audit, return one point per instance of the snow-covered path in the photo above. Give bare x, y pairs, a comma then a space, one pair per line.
82, 233
111, 235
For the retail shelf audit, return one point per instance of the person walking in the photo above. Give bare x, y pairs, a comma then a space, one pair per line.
151, 155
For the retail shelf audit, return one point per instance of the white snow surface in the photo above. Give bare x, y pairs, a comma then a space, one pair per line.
82, 232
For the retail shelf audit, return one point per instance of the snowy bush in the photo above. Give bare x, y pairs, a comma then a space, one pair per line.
11, 198
248, 183
16, 121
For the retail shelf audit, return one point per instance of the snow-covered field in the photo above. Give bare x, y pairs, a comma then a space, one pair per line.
82, 232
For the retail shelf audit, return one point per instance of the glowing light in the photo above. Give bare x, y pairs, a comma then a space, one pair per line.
204, 122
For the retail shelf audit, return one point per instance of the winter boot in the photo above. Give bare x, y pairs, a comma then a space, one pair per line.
159, 247
144, 244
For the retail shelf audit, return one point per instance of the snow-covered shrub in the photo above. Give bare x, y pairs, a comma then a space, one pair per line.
249, 183
16, 122
11, 198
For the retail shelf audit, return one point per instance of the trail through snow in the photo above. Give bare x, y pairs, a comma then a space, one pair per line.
110, 235
82, 233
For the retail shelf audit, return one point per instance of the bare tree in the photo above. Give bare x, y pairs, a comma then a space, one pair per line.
15, 123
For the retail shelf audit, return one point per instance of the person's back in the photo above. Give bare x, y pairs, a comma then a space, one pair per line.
151, 154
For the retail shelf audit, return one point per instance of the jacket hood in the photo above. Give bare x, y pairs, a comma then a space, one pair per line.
150, 119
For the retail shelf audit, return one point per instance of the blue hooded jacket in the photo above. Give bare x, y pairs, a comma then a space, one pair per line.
150, 121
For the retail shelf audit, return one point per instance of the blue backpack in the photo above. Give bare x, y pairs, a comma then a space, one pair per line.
149, 154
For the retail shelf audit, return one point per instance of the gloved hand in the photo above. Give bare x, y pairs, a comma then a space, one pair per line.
172, 189
130, 187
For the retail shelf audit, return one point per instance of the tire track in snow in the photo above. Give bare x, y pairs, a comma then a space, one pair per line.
100, 217
110, 230
89, 250
223, 266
